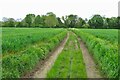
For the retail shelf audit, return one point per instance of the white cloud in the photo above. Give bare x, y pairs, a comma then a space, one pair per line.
83, 8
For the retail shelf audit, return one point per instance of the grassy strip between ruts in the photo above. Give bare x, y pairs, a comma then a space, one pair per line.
105, 54
14, 66
69, 63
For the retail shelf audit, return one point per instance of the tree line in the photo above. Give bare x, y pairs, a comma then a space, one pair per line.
70, 21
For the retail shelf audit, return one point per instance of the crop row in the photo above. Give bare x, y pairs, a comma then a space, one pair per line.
16, 65
105, 54
110, 35
69, 63
13, 40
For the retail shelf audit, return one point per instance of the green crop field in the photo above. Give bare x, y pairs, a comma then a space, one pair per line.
16, 39
110, 35
24, 48
59, 39
73, 65
104, 47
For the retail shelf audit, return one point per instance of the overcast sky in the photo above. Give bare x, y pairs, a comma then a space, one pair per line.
83, 8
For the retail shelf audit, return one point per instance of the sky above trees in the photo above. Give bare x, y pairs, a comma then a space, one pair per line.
83, 8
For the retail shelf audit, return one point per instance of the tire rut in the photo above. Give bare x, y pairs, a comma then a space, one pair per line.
44, 66
91, 67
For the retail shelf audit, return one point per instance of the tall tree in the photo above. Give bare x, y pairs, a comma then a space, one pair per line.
9, 22
105, 23
65, 21
5, 22
96, 21
60, 23
72, 19
38, 21
113, 22
51, 20
80, 22
29, 19
22, 24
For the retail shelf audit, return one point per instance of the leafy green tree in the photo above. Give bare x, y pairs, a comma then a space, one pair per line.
96, 21
51, 20
22, 24
69, 21
5, 22
60, 23
65, 21
105, 23
11, 22
37, 21
43, 20
8, 22
113, 22
80, 22
29, 19
72, 19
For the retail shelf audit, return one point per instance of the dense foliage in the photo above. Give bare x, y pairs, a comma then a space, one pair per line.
104, 52
70, 21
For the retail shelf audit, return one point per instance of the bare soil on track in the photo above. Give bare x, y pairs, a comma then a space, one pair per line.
45, 65
41, 69
91, 67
